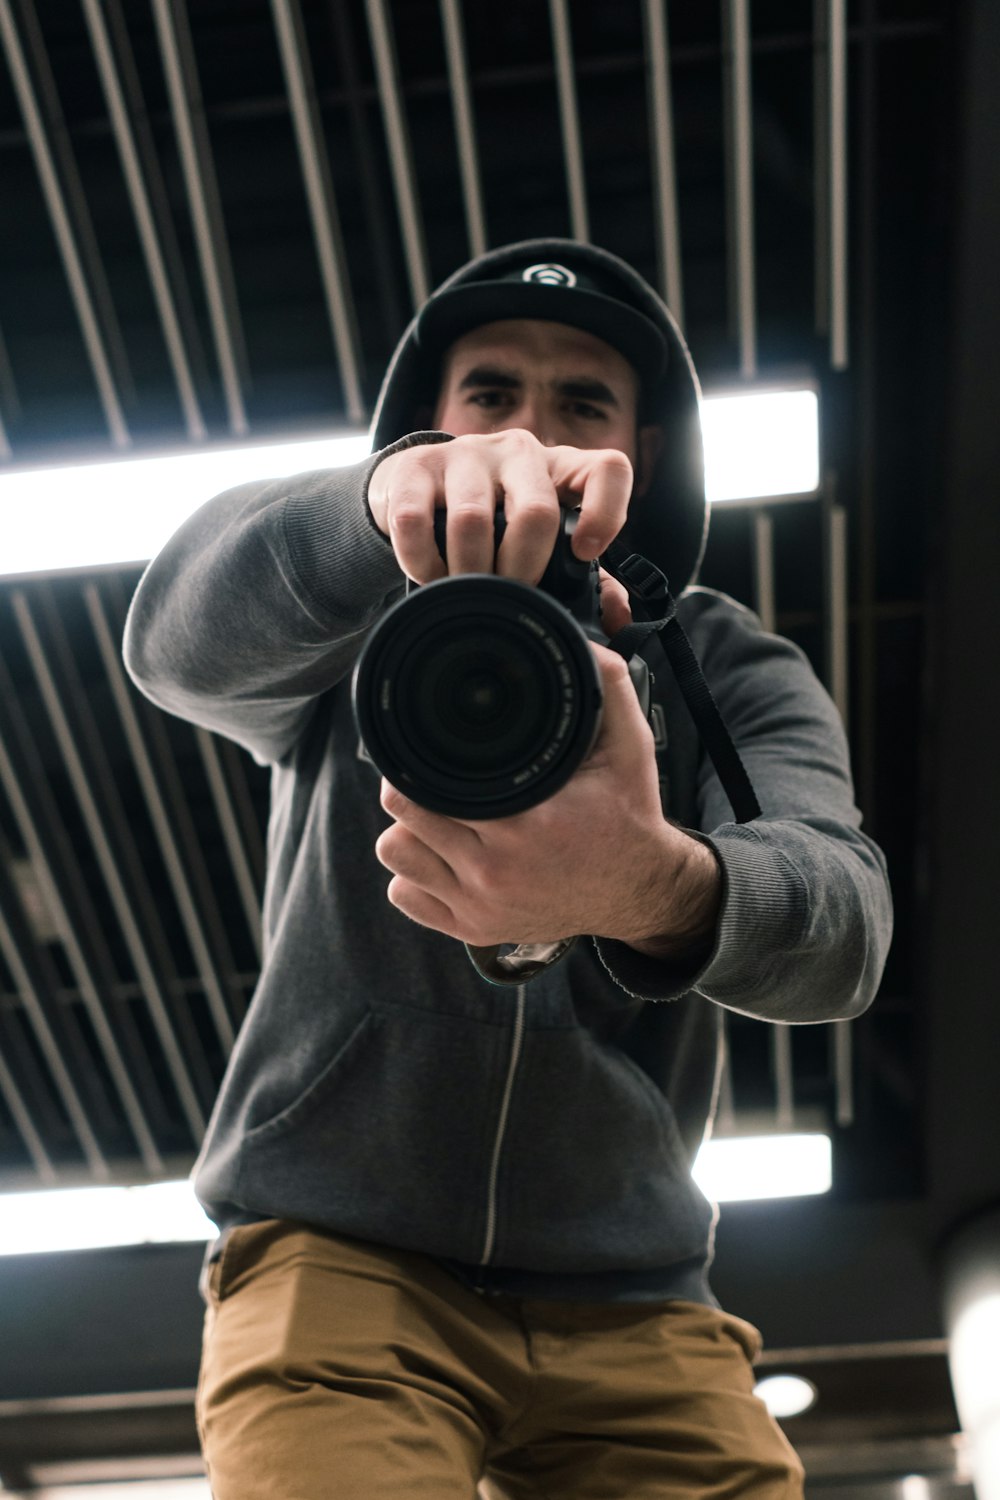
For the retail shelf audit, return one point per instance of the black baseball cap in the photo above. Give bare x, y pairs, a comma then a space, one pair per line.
570, 289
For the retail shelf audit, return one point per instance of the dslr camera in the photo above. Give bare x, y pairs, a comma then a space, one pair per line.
479, 696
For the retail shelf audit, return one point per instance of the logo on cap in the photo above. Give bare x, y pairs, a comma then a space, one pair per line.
549, 274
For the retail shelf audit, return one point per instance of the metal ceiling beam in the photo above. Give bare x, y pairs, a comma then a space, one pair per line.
173, 825
837, 48
25, 1125
63, 890
112, 842
569, 118
95, 786
739, 151
138, 191
661, 121
62, 226
246, 884
400, 157
181, 73
465, 128
323, 215
43, 1016
356, 97
57, 133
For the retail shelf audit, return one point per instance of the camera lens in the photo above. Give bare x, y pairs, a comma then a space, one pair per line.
477, 696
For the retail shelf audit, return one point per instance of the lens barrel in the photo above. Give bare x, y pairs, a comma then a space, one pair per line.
477, 696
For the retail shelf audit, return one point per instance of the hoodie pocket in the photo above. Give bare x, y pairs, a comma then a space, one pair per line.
392, 1140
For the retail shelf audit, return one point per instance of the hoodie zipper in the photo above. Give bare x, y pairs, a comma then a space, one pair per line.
517, 1041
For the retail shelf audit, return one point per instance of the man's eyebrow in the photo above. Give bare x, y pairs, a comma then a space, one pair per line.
581, 389
489, 375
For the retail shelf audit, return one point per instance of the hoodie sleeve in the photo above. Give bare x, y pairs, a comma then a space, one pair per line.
806, 914
260, 603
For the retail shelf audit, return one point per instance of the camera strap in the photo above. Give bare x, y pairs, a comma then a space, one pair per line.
647, 584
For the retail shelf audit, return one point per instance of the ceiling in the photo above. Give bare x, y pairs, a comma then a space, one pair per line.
224, 215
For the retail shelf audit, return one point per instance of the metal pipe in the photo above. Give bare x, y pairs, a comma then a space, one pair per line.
323, 214
403, 177
763, 566
125, 890
163, 825
784, 1083
667, 219
199, 181
21, 1116
742, 155
569, 118
63, 229
821, 166
149, 239
465, 130
838, 184
58, 135
835, 554
246, 885
16, 947
838, 683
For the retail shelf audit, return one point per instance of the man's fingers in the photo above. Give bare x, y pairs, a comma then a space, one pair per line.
607, 489
470, 495
616, 611
531, 507
410, 503
599, 480
624, 727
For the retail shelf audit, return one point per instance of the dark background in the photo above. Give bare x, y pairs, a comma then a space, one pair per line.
848, 1286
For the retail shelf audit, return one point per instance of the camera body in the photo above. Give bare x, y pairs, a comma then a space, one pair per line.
479, 696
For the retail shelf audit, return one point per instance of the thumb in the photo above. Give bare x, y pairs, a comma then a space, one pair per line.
625, 731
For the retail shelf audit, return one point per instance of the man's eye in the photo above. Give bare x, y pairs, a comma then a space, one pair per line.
584, 409
489, 398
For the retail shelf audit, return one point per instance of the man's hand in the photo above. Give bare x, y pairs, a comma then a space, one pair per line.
470, 476
598, 857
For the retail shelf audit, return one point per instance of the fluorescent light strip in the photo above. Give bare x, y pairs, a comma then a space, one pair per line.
761, 443
764, 1166
94, 515
167, 1212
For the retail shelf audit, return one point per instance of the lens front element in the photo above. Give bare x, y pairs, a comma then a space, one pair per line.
477, 696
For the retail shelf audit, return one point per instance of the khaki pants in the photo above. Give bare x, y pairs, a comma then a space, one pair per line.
337, 1370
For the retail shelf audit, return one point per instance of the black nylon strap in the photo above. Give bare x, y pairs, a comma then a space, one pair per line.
646, 583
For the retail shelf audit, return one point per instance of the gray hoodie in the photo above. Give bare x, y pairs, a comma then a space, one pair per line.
536, 1140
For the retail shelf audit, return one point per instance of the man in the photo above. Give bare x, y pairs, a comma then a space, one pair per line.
459, 1240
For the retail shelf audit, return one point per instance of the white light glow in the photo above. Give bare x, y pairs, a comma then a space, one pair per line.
915, 1487
91, 1217
760, 443
975, 1377
92, 515
785, 1395
764, 1166
100, 514
137, 1489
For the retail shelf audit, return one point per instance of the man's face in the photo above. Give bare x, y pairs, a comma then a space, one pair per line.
560, 383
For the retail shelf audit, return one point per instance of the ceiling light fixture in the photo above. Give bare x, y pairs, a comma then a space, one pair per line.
765, 1166
87, 1218
96, 515
786, 1395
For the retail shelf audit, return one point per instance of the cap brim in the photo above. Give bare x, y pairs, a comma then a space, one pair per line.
449, 315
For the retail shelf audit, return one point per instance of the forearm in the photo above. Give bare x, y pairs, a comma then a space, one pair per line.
259, 604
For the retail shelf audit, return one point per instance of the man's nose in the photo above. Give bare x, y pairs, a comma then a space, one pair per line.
534, 417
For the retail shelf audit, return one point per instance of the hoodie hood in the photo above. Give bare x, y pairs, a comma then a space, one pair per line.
563, 281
